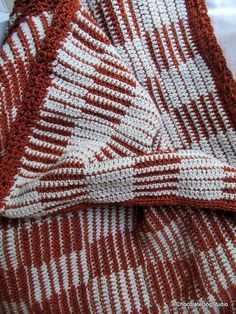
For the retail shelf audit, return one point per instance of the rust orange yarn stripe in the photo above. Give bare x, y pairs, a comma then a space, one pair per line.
117, 158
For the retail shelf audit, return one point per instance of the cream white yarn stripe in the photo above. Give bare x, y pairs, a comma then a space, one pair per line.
16, 60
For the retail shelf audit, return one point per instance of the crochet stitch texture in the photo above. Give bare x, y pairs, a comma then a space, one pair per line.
117, 159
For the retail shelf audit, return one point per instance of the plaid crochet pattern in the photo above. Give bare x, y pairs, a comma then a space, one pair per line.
117, 159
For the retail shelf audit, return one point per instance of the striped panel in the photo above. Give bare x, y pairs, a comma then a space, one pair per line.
125, 108
16, 60
126, 270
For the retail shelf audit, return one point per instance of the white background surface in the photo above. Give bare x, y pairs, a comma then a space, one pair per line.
4, 16
9, 4
223, 17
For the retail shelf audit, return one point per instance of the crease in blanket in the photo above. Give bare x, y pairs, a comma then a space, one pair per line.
117, 159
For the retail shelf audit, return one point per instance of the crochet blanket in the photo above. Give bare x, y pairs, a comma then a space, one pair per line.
117, 158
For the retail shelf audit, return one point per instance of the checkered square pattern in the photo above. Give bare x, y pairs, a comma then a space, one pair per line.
117, 159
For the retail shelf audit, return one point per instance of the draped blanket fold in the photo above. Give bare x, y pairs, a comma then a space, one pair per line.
117, 159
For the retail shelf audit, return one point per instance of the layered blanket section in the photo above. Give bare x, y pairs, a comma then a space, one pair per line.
187, 178
114, 260
89, 131
17, 58
164, 47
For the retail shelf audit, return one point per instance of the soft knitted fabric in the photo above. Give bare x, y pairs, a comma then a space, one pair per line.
118, 159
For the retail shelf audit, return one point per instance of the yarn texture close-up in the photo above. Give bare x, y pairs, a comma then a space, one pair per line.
117, 159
